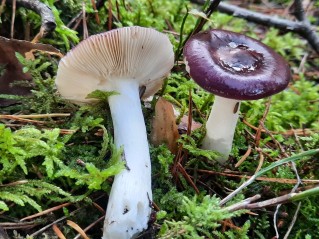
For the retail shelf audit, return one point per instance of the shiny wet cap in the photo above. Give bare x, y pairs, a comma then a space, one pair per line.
235, 66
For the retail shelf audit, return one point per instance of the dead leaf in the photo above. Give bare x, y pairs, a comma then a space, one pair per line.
77, 228
13, 68
58, 232
182, 127
164, 128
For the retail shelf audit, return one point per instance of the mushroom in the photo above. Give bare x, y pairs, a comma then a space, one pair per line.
121, 60
234, 67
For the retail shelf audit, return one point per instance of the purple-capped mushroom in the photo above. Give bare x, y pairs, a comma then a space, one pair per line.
233, 67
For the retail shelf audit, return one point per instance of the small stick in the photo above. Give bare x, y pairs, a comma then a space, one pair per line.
110, 14
118, 11
261, 122
98, 207
177, 160
155, 207
13, 18
14, 183
243, 158
55, 222
45, 212
97, 18
90, 226
282, 150
275, 220
296, 138
41, 115
12, 117
212, 7
187, 177
293, 221
66, 131
261, 162
85, 28
78, 21
291, 197
74, 19
242, 204
190, 113
303, 61
17, 225
294, 168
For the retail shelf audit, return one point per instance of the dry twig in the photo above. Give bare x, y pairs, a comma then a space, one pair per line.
48, 21
303, 28
243, 158
52, 209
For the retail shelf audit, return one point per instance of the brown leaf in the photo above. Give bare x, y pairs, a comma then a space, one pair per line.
164, 128
182, 127
77, 228
13, 68
58, 232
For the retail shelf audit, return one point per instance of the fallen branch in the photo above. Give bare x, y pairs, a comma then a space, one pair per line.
28, 118
291, 197
38, 115
303, 28
50, 210
48, 21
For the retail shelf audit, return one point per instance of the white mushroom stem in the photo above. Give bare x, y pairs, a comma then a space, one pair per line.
220, 126
128, 209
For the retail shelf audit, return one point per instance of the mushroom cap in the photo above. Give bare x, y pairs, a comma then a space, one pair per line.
235, 66
133, 53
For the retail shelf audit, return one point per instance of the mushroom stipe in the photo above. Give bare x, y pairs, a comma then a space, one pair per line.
124, 60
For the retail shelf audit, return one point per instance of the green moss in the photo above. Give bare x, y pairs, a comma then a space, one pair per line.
38, 160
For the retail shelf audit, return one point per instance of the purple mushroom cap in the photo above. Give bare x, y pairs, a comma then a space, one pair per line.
235, 66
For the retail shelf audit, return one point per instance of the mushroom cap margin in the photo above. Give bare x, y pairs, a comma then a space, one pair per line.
130, 53
203, 55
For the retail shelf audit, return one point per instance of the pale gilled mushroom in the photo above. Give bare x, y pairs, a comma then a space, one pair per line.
122, 60
234, 67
